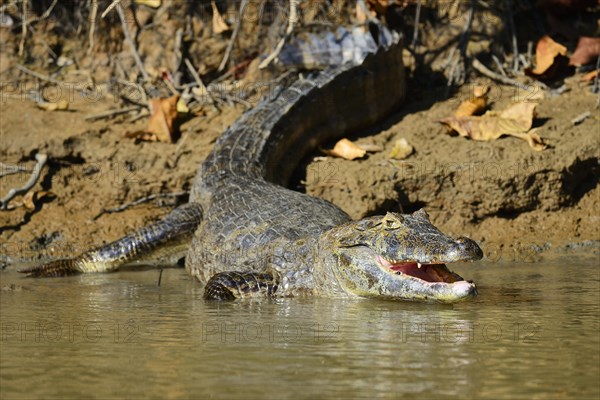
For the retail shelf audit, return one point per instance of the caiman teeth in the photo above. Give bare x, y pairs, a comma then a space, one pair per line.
418, 264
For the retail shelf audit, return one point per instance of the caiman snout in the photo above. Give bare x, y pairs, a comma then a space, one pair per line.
468, 250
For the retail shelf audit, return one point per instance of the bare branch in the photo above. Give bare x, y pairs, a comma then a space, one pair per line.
127, 34
110, 7
483, 70
35, 175
293, 18
234, 35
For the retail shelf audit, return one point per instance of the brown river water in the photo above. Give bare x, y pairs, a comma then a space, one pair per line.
532, 333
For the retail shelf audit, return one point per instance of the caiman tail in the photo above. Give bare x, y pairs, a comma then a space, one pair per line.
165, 241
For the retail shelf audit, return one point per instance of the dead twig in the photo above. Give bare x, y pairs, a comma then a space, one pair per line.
45, 15
110, 7
498, 65
177, 57
93, 15
35, 175
137, 202
580, 118
198, 80
483, 70
416, 29
234, 35
36, 74
513, 31
169, 84
129, 40
142, 114
292, 19
6, 169
23, 28
464, 40
111, 113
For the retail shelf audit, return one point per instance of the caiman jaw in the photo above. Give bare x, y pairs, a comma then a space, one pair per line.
441, 283
436, 272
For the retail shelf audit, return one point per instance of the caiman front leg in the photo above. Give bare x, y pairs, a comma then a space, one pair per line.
165, 239
232, 285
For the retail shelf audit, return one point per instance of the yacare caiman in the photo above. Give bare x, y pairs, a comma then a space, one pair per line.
244, 234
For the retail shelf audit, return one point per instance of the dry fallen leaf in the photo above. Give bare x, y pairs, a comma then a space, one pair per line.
587, 51
514, 121
164, 112
547, 53
401, 150
475, 105
590, 76
149, 3
219, 24
161, 126
520, 115
60, 105
347, 150
181, 107
31, 199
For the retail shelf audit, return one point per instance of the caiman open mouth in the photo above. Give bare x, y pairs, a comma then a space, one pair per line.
426, 272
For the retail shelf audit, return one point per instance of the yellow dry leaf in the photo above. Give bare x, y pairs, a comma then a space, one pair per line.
520, 115
514, 121
547, 50
590, 76
481, 91
181, 107
60, 105
347, 150
469, 107
31, 199
164, 113
534, 140
149, 3
475, 105
401, 150
219, 24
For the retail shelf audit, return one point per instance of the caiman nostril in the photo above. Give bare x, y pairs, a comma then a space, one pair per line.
469, 248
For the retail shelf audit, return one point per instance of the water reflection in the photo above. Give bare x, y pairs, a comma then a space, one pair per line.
533, 332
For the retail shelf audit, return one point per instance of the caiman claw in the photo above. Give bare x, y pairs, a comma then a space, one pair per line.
54, 269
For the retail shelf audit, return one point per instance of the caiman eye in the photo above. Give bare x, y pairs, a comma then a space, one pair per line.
391, 221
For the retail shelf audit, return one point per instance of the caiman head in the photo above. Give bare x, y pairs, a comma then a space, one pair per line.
395, 256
